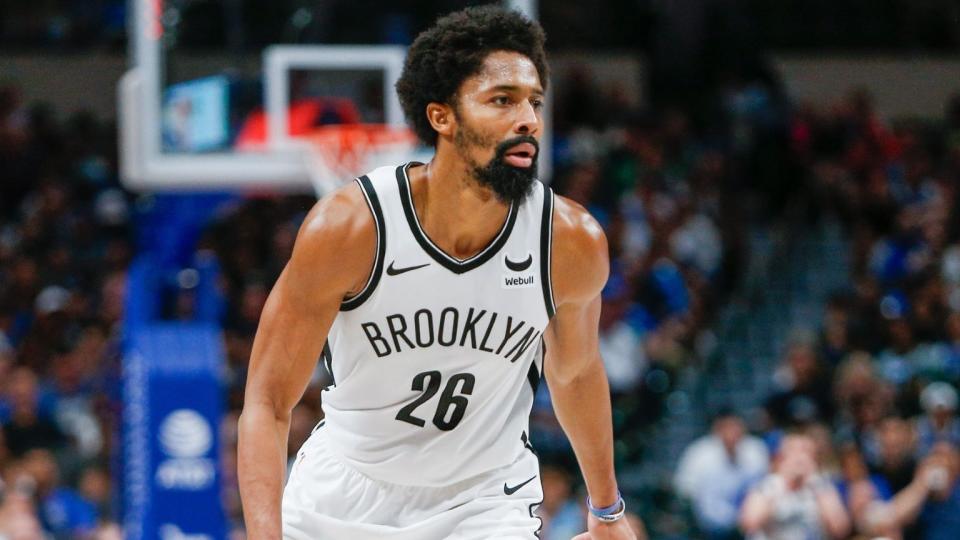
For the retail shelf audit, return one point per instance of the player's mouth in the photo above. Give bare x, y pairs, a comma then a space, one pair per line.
520, 155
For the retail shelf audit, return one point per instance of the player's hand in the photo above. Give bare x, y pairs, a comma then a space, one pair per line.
599, 530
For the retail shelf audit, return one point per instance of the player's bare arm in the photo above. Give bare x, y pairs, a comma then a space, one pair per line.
573, 367
331, 260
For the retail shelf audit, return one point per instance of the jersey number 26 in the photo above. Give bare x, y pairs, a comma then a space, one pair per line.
450, 405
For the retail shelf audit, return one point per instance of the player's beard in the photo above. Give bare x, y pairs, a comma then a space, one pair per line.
510, 184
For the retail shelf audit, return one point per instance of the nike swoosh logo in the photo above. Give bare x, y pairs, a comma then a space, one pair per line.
519, 266
391, 271
511, 490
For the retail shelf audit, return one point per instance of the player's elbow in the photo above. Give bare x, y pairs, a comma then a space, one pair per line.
574, 374
259, 409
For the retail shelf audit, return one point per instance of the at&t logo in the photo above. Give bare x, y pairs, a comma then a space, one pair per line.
186, 437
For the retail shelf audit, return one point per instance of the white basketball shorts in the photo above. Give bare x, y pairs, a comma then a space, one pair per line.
325, 499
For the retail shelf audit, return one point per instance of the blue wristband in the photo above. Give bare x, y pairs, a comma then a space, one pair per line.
609, 513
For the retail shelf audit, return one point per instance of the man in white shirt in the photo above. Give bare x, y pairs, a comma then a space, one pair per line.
715, 470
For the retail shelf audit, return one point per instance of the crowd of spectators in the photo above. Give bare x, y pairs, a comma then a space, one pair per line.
860, 436
862, 424
64, 248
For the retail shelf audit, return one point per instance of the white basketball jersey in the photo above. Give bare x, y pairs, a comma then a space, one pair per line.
435, 363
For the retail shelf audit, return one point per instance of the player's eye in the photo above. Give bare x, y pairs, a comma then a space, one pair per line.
500, 100
537, 103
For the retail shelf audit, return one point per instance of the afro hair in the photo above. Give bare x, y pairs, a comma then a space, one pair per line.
454, 49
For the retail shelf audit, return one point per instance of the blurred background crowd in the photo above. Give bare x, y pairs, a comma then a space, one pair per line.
781, 327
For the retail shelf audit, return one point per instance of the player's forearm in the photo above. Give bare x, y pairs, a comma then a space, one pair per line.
261, 464
582, 405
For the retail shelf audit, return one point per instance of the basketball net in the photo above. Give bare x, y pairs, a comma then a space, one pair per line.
338, 153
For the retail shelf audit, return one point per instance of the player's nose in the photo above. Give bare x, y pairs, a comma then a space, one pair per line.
528, 121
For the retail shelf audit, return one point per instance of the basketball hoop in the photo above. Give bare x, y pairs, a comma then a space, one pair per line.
338, 153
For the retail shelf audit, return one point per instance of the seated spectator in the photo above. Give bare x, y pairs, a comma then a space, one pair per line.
855, 380
95, 486
73, 404
870, 501
715, 470
794, 501
940, 516
906, 357
18, 519
931, 502
62, 510
834, 341
803, 386
863, 401
696, 242
940, 423
826, 455
893, 456
26, 424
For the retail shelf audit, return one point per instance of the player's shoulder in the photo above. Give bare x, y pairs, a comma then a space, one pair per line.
576, 233
579, 252
340, 222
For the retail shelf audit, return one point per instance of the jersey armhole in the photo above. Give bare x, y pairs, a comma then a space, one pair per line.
546, 251
373, 202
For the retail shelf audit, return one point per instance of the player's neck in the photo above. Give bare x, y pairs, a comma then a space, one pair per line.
457, 213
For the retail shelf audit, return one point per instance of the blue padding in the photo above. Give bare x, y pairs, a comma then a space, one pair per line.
169, 225
172, 411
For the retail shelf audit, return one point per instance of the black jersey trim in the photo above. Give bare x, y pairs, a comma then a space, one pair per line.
366, 187
533, 376
534, 515
528, 446
546, 250
327, 356
453, 264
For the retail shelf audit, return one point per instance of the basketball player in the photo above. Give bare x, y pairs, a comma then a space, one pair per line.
436, 289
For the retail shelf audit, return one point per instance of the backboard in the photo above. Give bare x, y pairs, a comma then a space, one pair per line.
226, 95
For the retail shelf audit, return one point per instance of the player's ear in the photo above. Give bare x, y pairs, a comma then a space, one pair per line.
441, 117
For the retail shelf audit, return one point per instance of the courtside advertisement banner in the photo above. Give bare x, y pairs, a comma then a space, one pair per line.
170, 443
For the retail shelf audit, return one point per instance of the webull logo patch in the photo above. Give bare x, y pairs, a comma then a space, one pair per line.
518, 282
